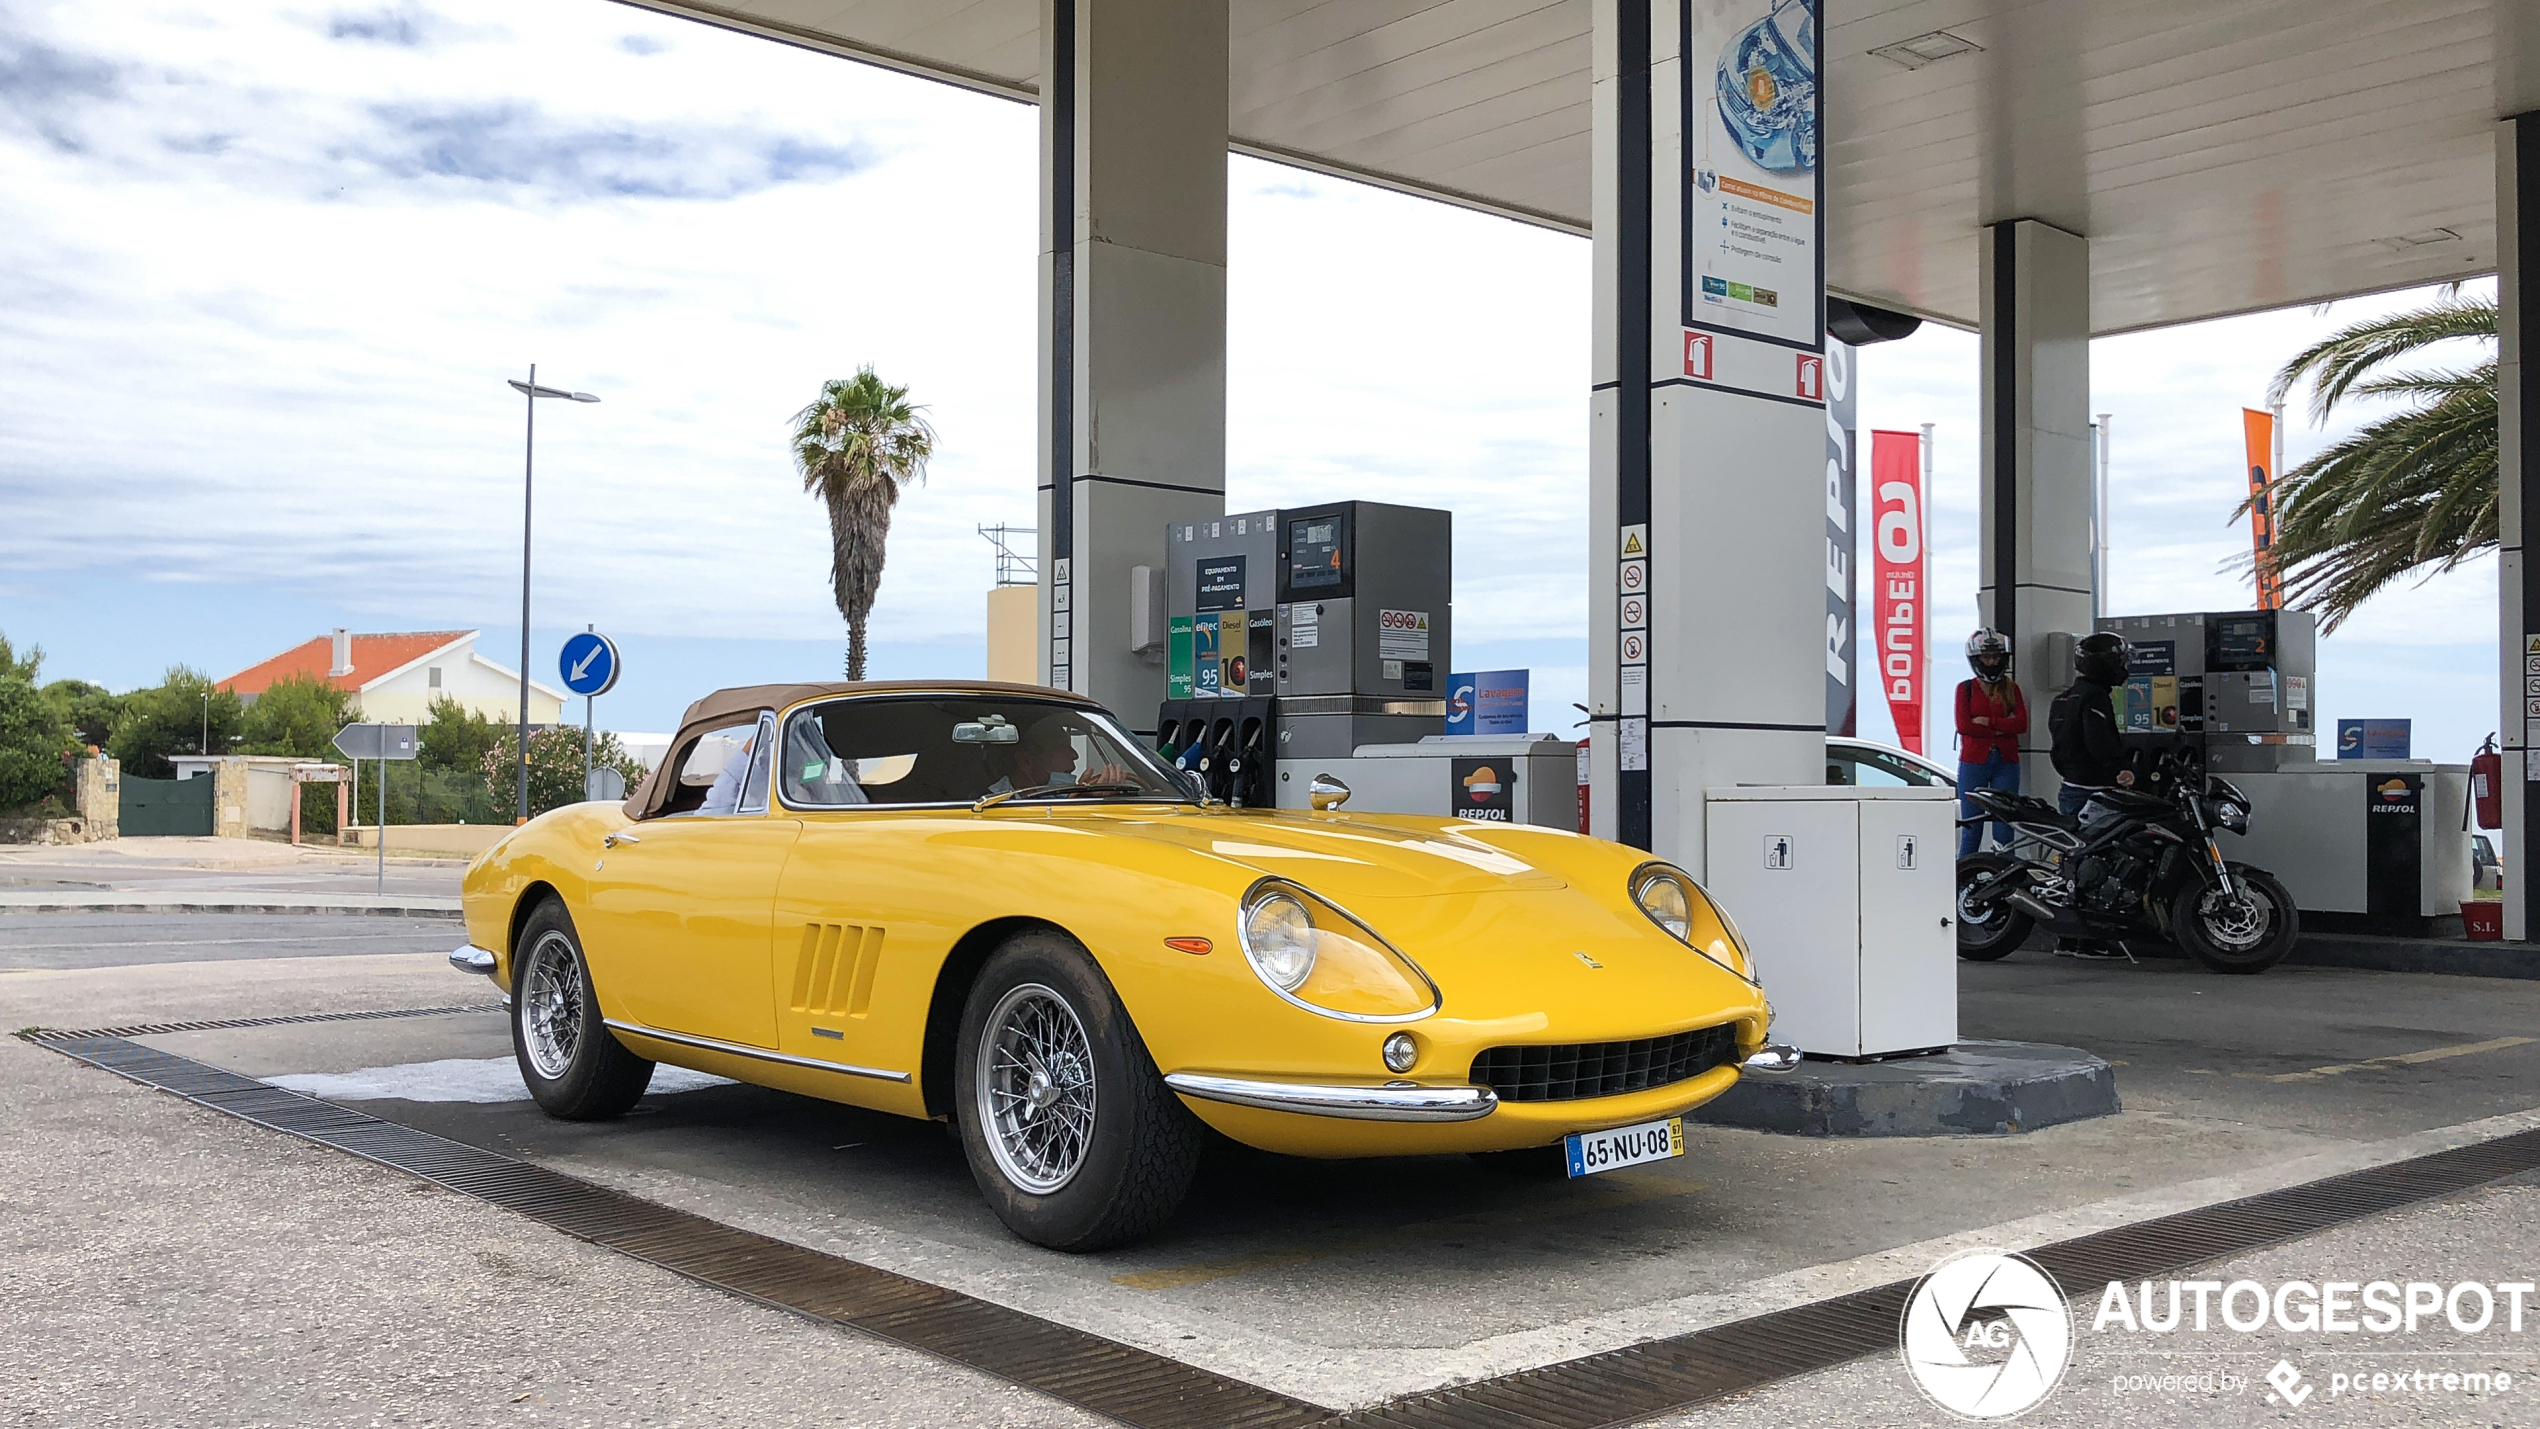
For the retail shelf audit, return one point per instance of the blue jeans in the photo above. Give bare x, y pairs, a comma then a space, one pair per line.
1994, 773
2072, 797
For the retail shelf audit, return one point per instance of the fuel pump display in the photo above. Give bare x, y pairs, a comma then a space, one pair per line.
1302, 633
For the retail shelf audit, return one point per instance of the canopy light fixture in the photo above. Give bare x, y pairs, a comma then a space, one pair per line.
1927, 49
2401, 243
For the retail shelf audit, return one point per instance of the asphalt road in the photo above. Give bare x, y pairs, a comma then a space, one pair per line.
100, 940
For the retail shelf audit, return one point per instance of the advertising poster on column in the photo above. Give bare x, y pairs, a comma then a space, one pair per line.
1754, 207
1842, 575
1897, 602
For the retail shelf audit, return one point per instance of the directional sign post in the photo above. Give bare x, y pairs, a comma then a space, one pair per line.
589, 665
382, 742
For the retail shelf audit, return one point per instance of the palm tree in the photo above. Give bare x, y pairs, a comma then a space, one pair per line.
2413, 490
856, 447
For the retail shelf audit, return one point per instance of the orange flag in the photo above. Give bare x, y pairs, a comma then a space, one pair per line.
2260, 430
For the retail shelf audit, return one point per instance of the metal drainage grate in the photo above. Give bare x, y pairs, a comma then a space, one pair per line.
1140, 1388
49, 1036
1109, 1378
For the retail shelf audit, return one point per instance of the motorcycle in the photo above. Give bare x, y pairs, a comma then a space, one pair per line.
2130, 864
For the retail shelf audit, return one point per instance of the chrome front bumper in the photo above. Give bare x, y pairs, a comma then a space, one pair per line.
1771, 1058
1394, 1101
469, 958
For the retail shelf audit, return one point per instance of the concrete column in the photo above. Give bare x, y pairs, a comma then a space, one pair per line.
1709, 446
2036, 467
1133, 319
2518, 507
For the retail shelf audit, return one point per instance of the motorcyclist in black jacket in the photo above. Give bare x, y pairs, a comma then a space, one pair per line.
2082, 723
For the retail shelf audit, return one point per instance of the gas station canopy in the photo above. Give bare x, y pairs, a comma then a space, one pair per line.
2220, 157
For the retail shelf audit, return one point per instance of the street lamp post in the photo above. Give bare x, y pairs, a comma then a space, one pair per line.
531, 391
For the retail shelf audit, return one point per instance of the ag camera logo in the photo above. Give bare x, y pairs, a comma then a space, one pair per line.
1986, 1335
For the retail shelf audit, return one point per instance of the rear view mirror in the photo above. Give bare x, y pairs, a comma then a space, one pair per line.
992, 730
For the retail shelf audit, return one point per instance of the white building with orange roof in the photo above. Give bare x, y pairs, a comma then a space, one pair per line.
394, 678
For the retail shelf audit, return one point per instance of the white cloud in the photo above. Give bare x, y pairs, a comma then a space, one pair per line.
267, 268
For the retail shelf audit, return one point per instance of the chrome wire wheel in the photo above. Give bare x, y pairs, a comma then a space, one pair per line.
1035, 1080
550, 995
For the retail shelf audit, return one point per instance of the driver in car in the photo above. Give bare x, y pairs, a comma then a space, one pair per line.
1046, 758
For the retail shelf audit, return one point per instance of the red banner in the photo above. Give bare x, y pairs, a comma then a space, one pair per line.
1899, 601
2259, 428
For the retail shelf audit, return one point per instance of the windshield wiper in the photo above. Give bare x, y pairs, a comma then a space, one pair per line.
1060, 790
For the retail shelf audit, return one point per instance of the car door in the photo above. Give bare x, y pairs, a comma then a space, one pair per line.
862, 918
681, 906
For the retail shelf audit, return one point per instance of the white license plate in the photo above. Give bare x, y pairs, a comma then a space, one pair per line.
1594, 1151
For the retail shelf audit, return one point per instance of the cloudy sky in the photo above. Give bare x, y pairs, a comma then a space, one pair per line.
266, 269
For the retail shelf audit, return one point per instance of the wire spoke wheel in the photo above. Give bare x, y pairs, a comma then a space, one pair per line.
551, 1005
1036, 1088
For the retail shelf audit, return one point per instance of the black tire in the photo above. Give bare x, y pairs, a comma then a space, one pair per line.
576, 1068
2249, 934
2001, 927
1110, 1155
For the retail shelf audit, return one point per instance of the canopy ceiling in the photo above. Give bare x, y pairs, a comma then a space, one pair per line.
2221, 155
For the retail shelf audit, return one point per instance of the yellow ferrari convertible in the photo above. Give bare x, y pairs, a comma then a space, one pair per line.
993, 904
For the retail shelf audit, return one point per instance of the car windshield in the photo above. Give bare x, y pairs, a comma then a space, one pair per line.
959, 749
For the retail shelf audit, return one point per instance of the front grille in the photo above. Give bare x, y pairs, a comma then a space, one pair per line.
1569, 1071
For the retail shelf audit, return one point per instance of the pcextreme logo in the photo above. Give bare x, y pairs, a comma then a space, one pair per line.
1986, 1335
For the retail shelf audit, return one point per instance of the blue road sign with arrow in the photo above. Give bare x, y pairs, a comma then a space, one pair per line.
589, 664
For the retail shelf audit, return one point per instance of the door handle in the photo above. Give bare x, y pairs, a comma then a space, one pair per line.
613, 840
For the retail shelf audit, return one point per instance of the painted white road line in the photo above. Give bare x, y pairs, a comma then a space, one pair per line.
457, 1079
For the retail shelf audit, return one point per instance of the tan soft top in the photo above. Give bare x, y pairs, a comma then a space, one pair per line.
730, 706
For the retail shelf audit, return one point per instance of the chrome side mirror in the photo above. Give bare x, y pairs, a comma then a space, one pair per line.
1326, 793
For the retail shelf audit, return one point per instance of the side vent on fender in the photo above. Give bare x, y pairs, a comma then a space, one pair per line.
834, 973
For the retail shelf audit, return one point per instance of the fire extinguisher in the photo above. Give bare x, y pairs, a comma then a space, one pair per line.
2487, 785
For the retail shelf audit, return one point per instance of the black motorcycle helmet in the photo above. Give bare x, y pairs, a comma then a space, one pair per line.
1989, 654
2102, 658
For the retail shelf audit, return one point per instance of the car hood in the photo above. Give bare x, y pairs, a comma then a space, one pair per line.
1353, 860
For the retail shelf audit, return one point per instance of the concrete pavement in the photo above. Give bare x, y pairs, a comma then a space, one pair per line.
1340, 1282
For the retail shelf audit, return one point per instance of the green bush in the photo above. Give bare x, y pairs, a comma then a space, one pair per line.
33, 745
182, 714
296, 715
455, 738
88, 709
555, 768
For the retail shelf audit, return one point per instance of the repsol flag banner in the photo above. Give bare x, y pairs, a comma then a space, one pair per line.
1899, 603
2259, 427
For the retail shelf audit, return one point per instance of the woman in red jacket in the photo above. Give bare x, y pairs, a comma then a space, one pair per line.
1992, 715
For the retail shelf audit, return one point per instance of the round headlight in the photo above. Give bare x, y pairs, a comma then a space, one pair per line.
2232, 815
1665, 901
1279, 938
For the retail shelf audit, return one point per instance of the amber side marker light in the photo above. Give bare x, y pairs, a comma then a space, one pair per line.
1189, 945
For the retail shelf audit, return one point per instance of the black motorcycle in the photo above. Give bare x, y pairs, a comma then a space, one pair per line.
2129, 865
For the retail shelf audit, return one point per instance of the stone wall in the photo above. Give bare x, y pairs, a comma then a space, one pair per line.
99, 798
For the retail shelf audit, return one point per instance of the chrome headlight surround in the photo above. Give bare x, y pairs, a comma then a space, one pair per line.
1271, 960
1658, 889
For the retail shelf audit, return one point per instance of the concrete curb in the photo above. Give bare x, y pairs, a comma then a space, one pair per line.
2456, 957
1976, 1089
447, 908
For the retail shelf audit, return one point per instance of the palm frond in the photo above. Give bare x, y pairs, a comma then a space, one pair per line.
856, 447
2336, 362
